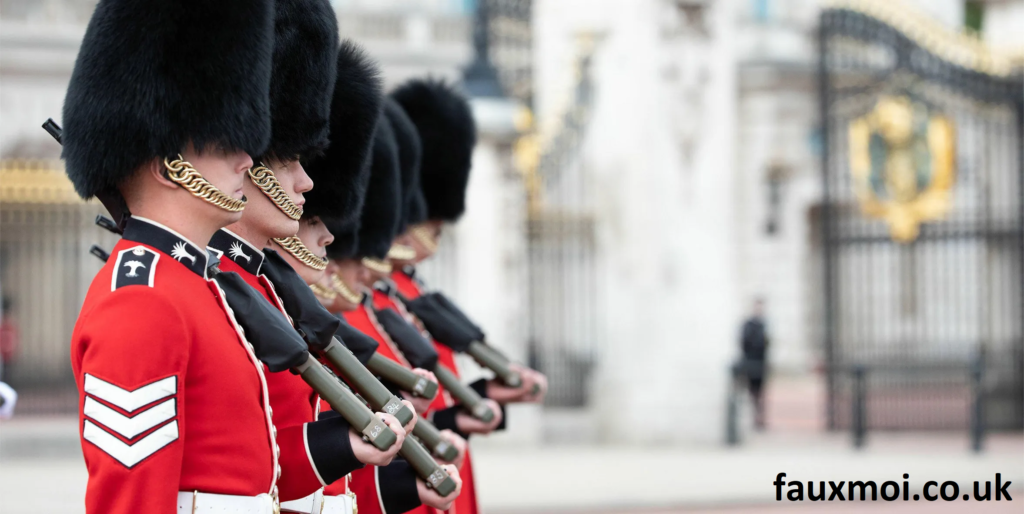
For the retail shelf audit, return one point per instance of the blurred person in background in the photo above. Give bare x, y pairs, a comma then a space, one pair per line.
10, 338
754, 343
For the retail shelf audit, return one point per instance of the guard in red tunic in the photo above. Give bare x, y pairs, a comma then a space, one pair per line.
444, 123
306, 60
369, 244
166, 103
393, 488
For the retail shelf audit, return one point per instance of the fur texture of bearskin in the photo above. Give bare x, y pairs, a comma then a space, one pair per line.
444, 120
305, 69
152, 76
409, 153
378, 224
340, 173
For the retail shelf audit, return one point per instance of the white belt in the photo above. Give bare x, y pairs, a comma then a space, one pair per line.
317, 503
205, 503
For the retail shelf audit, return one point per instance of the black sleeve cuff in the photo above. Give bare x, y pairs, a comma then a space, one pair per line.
504, 418
330, 448
392, 387
480, 386
397, 482
444, 419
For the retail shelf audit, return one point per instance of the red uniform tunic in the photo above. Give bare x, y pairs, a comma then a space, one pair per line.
304, 441
171, 397
382, 490
408, 287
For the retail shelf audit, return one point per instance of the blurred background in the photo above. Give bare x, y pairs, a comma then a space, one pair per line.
671, 201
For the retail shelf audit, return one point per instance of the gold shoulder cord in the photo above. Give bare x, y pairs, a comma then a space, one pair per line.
323, 292
294, 246
401, 252
377, 265
182, 173
264, 179
341, 288
423, 236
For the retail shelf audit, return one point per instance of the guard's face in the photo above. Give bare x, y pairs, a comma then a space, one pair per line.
432, 230
351, 272
262, 214
224, 169
316, 237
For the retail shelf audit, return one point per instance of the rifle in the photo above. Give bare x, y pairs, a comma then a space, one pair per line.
452, 328
111, 199
421, 354
365, 349
318, 327
100, 253
276, 344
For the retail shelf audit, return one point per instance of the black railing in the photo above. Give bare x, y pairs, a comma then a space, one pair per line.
871, 406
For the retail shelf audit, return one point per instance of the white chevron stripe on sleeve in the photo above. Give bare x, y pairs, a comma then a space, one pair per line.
130, 454
130, 400
129, 427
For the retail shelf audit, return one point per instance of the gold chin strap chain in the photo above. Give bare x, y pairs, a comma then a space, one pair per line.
264, 179
294, 246
341, 288
182, 173
423, 236
377, 265
323, 292
401, 252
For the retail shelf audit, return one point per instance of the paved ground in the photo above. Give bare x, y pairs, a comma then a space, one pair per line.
37, 453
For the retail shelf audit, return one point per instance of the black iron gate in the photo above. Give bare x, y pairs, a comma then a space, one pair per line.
923, 178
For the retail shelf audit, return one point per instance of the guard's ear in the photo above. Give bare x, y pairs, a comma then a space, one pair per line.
155, 168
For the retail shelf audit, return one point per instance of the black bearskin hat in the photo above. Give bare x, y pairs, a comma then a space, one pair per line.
416, 209
346, 237
445, 124
378, 224
152, 76
409, 152
305, 68
342, 170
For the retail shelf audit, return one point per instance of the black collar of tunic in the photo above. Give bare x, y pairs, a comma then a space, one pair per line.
240, 251
166, 240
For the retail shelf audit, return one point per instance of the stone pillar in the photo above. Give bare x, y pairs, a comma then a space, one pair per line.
660, 148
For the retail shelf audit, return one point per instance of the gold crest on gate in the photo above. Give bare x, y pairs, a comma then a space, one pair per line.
902, 158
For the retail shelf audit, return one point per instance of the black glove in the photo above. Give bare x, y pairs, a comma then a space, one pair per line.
274, 341
418, 351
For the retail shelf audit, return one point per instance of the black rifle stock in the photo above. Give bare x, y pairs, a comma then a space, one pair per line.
111, 200
100, 253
